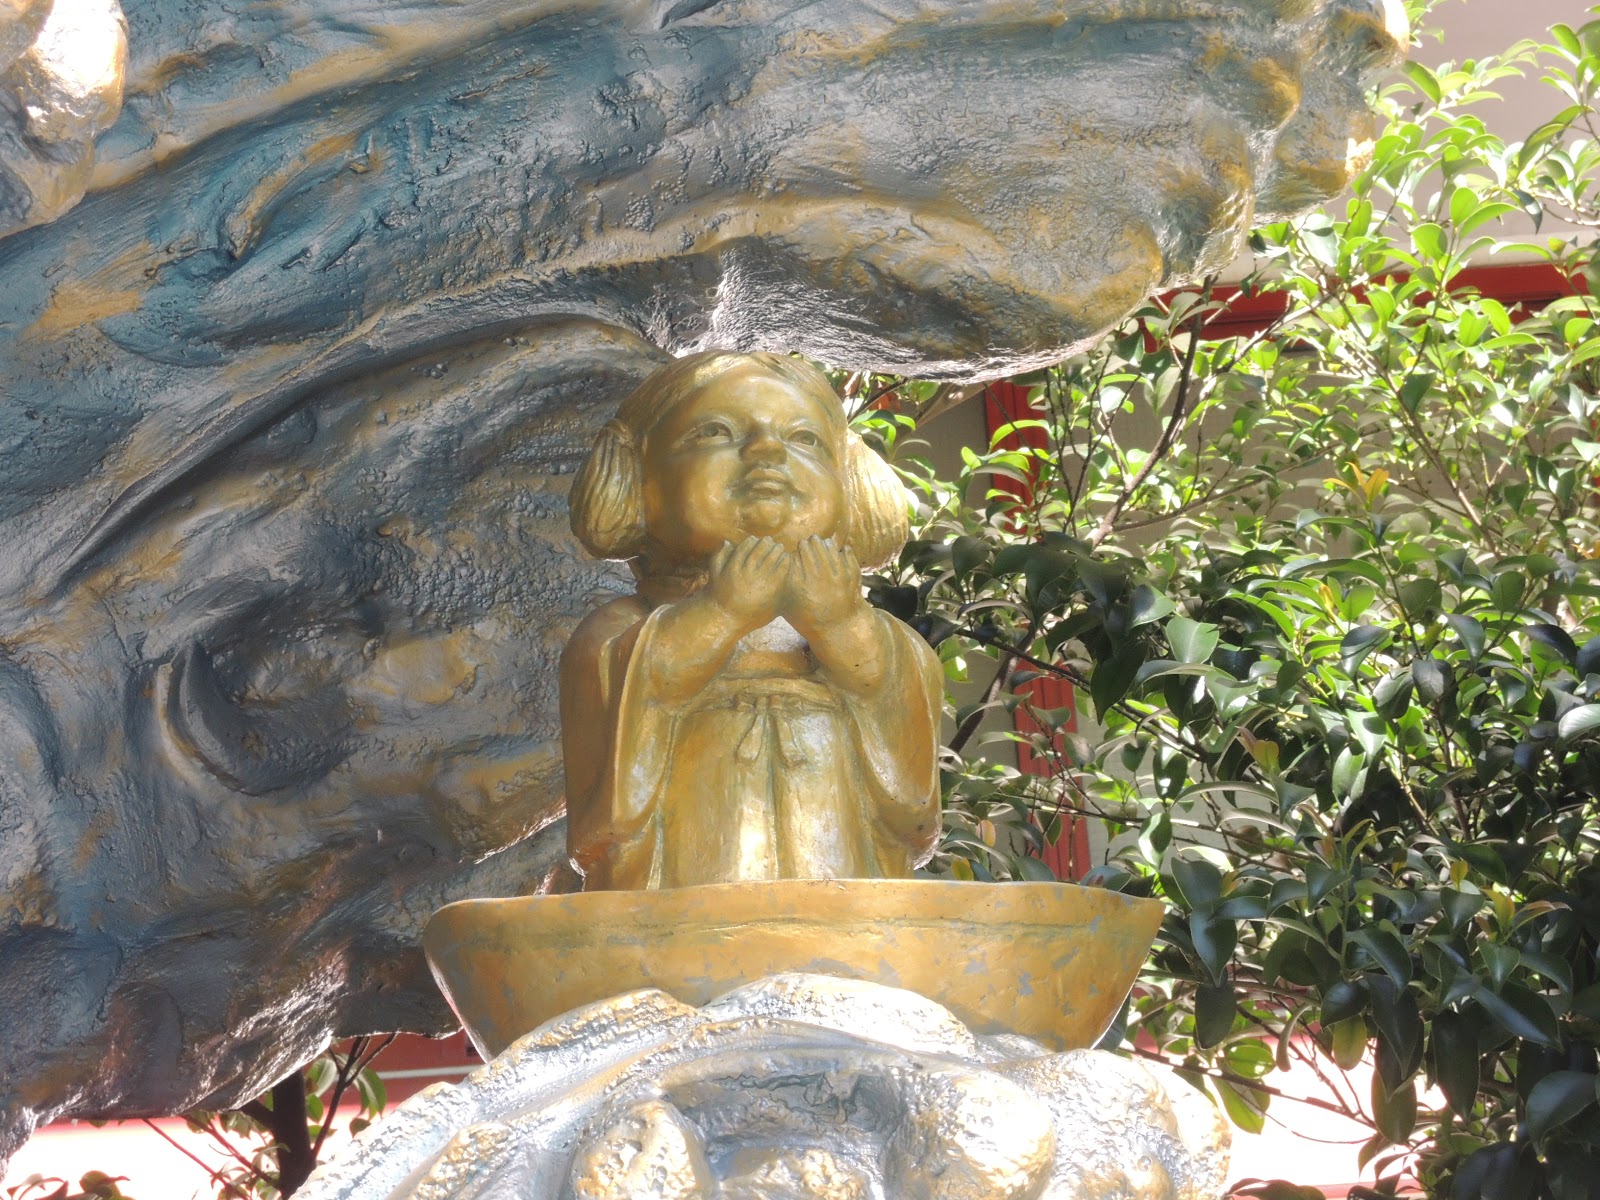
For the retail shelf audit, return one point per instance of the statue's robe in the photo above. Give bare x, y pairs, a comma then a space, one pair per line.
771, 771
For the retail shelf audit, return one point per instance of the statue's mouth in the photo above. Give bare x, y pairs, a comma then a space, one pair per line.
764, 485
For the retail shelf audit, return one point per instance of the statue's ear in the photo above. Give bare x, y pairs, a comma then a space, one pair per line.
879, 505
607, 502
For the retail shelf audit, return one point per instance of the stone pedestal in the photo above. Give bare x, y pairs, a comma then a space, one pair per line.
794, 1086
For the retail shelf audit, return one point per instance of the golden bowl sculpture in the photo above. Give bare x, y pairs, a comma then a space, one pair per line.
1048, 960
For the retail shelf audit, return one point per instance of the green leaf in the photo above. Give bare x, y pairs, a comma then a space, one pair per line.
1555, 638
1044, 569
1418, 597
1370, 732
1114, 676
1508, 589
1400, 1029
1497, 1172
1521, 1013
320, 1075
1454, 1042
1155, 837
1430, 241
1360, 642
1345, 999
1213, 1014
967, 554
1033, 871
1432, 678
1556, 1099
1463, 204
1425, 80
1414, 389
1349, 772
1246, 1107
1214, 938
1161, 668
1395, 1112
1469, 631
1146, 605
1350, 1041
1387, 951
1199, 881
1191, 641
370, 1087
1576, 722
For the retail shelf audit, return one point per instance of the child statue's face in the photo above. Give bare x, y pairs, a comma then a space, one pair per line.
748, 455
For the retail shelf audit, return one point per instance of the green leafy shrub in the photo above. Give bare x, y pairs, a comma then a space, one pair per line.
1328, 591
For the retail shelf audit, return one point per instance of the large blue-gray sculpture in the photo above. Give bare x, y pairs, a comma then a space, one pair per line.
288, 399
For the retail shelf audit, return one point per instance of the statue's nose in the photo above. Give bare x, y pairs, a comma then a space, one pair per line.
764, 446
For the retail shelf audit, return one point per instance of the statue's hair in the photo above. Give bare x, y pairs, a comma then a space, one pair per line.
608, 494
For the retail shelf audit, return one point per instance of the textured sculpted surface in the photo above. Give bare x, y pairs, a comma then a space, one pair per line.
287, 400
61, 64
773, 1092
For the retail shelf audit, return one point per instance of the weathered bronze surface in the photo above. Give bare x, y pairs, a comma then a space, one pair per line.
798, 1087
289, 403
744, 714
61, 76
1048, 960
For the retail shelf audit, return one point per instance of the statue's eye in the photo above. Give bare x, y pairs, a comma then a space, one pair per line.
713, 431
805, 437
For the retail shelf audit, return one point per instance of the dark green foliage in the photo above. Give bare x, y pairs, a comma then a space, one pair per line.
1328, 596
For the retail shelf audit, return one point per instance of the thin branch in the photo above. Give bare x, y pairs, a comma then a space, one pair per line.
1240, 1081
1169, 435
1002, 677
215, 1174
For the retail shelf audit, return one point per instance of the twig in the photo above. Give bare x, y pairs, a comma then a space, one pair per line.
1002, 677
1240, 1081
213, 1173
1169, 435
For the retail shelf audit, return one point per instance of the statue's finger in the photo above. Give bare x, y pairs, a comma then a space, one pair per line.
748, 550
772, 553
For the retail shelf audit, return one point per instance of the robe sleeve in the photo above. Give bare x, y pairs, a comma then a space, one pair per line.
897, 732
615, 750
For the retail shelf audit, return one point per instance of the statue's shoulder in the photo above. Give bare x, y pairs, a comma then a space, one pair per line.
604, 625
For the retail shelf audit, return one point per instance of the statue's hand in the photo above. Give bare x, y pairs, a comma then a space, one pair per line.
748, 579
824, 585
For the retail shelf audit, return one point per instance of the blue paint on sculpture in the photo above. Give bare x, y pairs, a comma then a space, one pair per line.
290, 396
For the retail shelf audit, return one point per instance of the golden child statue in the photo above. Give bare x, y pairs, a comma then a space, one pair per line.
745, 715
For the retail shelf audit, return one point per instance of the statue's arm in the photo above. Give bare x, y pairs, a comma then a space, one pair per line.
852, 641
856, 651
694, 639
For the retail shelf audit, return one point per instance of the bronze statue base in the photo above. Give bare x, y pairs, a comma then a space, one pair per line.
1051, 961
